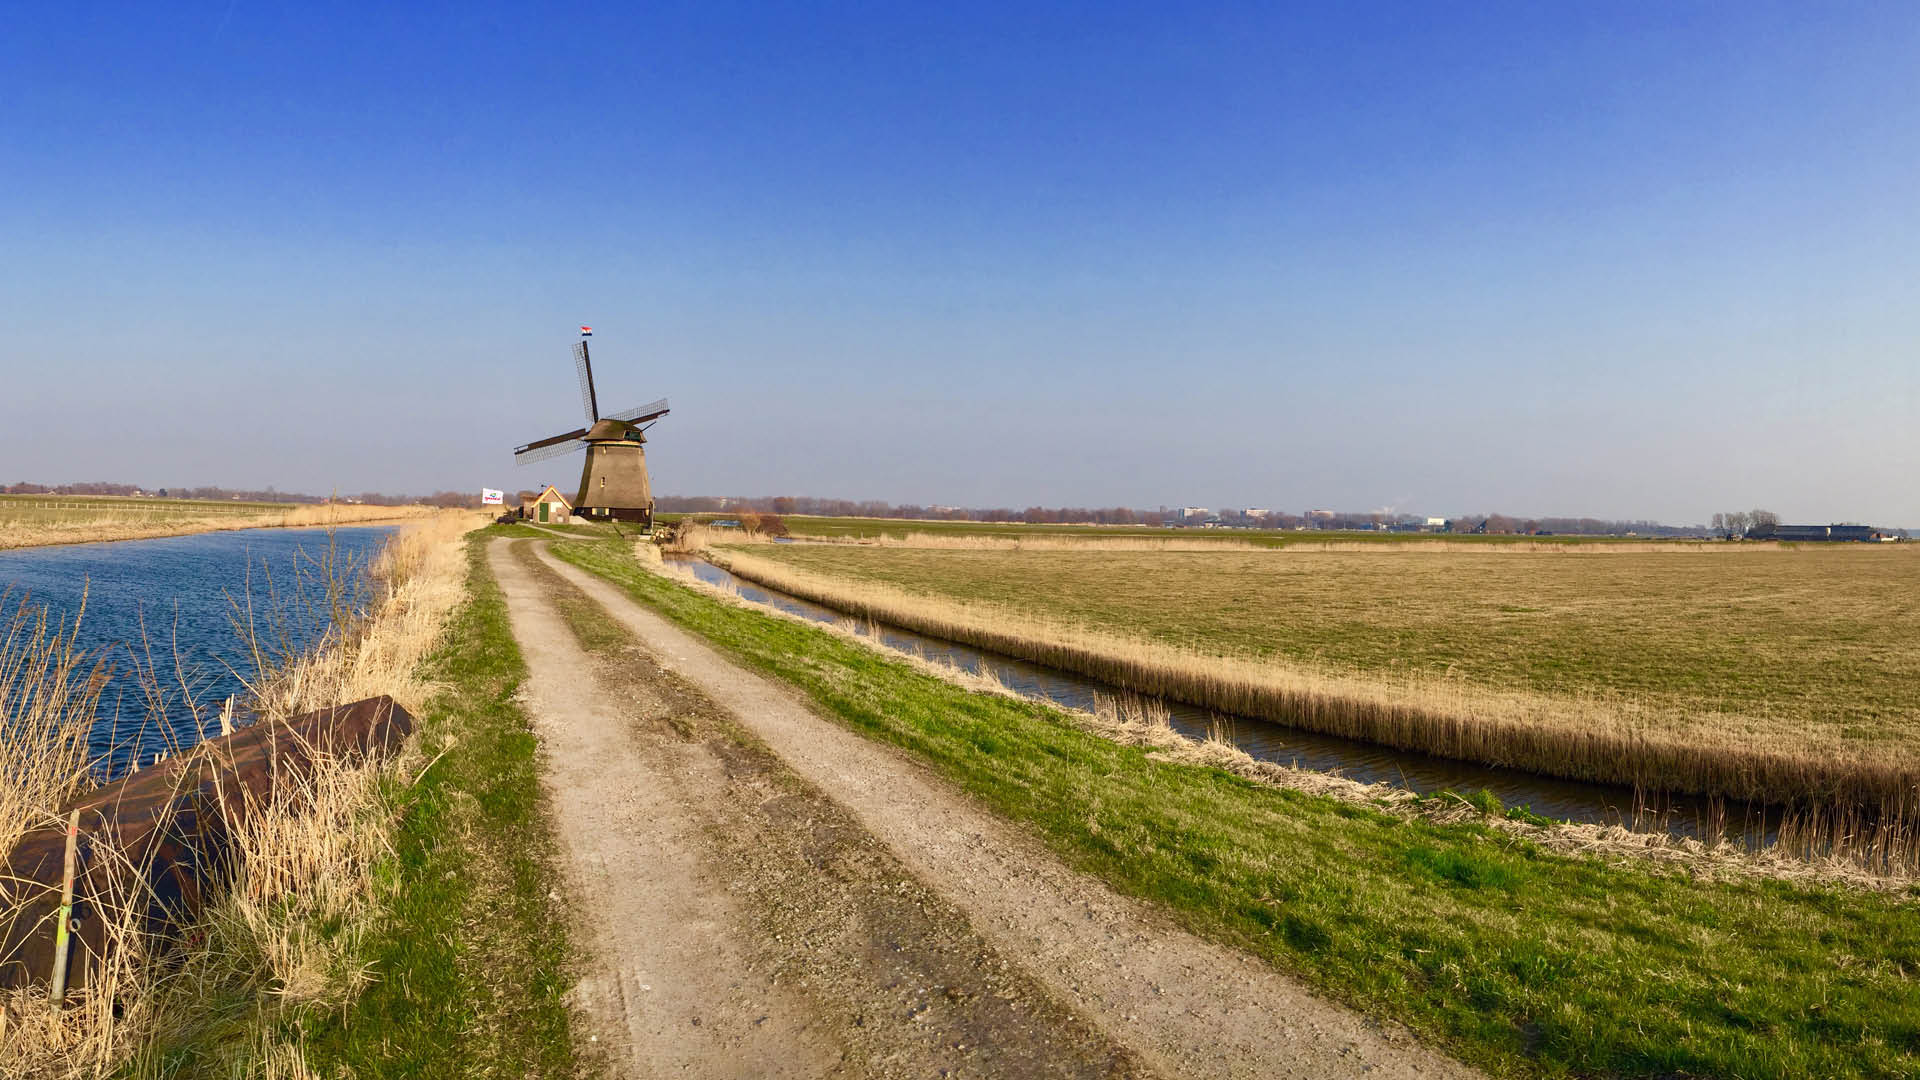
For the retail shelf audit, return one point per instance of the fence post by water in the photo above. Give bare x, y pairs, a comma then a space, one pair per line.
62, 932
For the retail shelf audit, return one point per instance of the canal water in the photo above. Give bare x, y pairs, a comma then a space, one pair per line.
1563, 800
163, 613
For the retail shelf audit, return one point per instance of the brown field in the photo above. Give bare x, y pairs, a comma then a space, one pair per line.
38, 520
1749, 671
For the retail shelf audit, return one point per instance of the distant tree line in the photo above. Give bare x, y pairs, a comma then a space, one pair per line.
1737, 522
455, 499
805, 505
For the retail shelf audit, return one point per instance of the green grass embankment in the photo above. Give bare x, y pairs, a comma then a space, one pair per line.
1520, 960
471, 973
469, 962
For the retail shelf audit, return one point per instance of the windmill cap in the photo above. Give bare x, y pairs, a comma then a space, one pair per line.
613, 431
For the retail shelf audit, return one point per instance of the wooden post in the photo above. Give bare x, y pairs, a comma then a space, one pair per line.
62, 934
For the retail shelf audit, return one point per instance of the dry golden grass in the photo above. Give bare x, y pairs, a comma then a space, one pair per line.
48, 688
1202, 630
688, 537
41, 521
302, 894
1411, 544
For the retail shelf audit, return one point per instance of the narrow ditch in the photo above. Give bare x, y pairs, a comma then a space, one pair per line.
1563, 800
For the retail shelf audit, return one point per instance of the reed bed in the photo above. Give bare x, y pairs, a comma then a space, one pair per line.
693, 536
301, 895
48, 690
82, 521
1606, 738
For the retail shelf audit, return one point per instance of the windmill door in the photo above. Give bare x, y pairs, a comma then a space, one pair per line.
543, 512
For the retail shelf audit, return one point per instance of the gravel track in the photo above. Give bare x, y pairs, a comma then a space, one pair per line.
1119, 969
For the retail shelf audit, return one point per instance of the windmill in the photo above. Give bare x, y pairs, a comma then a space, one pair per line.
613, 479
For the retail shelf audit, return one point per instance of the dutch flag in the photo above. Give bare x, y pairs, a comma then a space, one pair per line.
586, 331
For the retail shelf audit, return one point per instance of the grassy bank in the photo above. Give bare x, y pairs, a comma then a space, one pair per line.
388, 919
471, 958
1524, 961
1767, 673
39, 520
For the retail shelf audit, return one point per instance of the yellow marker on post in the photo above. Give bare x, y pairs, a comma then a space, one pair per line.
62, 933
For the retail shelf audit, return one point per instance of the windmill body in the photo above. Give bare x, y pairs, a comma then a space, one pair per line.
613, 478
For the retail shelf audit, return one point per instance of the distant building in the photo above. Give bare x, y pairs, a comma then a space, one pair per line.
548, 506
1194, 513
1436, 523
1258, 511
1819, 533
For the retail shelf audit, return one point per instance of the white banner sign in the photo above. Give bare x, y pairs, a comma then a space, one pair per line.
490, 497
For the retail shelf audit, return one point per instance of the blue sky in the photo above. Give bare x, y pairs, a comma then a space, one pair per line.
1623, 259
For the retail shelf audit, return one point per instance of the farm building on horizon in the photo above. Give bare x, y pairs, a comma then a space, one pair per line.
1821, 533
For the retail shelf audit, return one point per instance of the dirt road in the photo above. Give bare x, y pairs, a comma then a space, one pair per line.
804, 902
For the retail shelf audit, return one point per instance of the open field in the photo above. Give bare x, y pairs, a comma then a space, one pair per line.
1756, 672
35, 520
899, 529
1517, 958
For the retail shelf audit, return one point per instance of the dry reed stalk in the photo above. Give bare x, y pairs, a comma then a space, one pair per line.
49, 688
300, 862
1620, 741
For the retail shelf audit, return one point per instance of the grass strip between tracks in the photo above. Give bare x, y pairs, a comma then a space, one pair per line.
1520, 960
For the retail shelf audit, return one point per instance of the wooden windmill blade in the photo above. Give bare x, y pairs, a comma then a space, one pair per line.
548, 448
583, 366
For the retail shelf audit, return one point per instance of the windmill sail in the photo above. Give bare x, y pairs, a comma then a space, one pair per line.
643, 413
552, 447
583, 366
